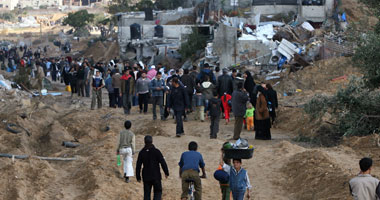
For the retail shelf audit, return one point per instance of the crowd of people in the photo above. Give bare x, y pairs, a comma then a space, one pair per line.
208, 93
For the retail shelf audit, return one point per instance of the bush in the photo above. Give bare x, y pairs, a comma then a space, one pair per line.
8, 16
354, 109
367, 58
82, 32
22, 77
79, 19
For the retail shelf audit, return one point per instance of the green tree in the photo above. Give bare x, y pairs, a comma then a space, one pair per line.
367, 58
374, 7
79, 19
144, 4
194, 42
168, 4
119, 6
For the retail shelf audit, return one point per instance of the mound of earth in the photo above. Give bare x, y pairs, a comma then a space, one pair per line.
319, 77
315, 175
102, 51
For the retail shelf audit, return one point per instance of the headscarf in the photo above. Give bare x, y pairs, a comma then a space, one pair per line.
249, 83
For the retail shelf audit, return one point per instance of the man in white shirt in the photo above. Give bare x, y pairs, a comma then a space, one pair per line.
364, 186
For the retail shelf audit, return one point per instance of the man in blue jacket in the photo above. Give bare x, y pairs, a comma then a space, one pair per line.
157, 89
206, 71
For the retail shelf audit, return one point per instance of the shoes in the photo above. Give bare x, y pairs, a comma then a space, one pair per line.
127, 180
178, 135
185, 119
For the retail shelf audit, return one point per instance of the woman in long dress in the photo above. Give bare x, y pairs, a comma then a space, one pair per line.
262, 122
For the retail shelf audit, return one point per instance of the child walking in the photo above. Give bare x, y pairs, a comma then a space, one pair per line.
239, 183
249, 113
226, 102
126, 148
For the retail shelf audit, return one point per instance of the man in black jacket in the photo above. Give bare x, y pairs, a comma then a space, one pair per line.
151, 158
225, 84
178, 100
189, 82
239, 102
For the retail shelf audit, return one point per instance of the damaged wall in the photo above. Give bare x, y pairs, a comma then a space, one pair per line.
232, 51
224, 44
147, 31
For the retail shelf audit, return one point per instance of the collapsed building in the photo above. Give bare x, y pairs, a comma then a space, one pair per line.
141, 37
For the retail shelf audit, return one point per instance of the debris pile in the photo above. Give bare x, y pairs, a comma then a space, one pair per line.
264, 47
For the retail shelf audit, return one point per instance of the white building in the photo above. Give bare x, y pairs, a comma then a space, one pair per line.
8, 4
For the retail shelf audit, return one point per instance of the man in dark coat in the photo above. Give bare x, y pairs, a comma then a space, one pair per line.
151, 159
178, 101
189, 82
225, 84
239, 103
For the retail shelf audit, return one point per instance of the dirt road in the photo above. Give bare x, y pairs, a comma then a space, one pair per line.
280, 168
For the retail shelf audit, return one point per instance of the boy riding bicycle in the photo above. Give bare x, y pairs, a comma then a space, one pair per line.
189, 164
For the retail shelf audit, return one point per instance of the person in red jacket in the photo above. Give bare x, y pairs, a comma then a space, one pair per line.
226, 102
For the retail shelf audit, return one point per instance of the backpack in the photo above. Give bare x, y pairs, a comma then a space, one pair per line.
221, 176
215, 105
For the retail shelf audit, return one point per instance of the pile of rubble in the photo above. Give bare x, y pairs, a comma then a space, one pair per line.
265, 47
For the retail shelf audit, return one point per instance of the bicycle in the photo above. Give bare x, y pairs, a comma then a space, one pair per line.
191, 188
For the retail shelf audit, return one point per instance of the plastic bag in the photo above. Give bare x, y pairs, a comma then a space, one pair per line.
118, 160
